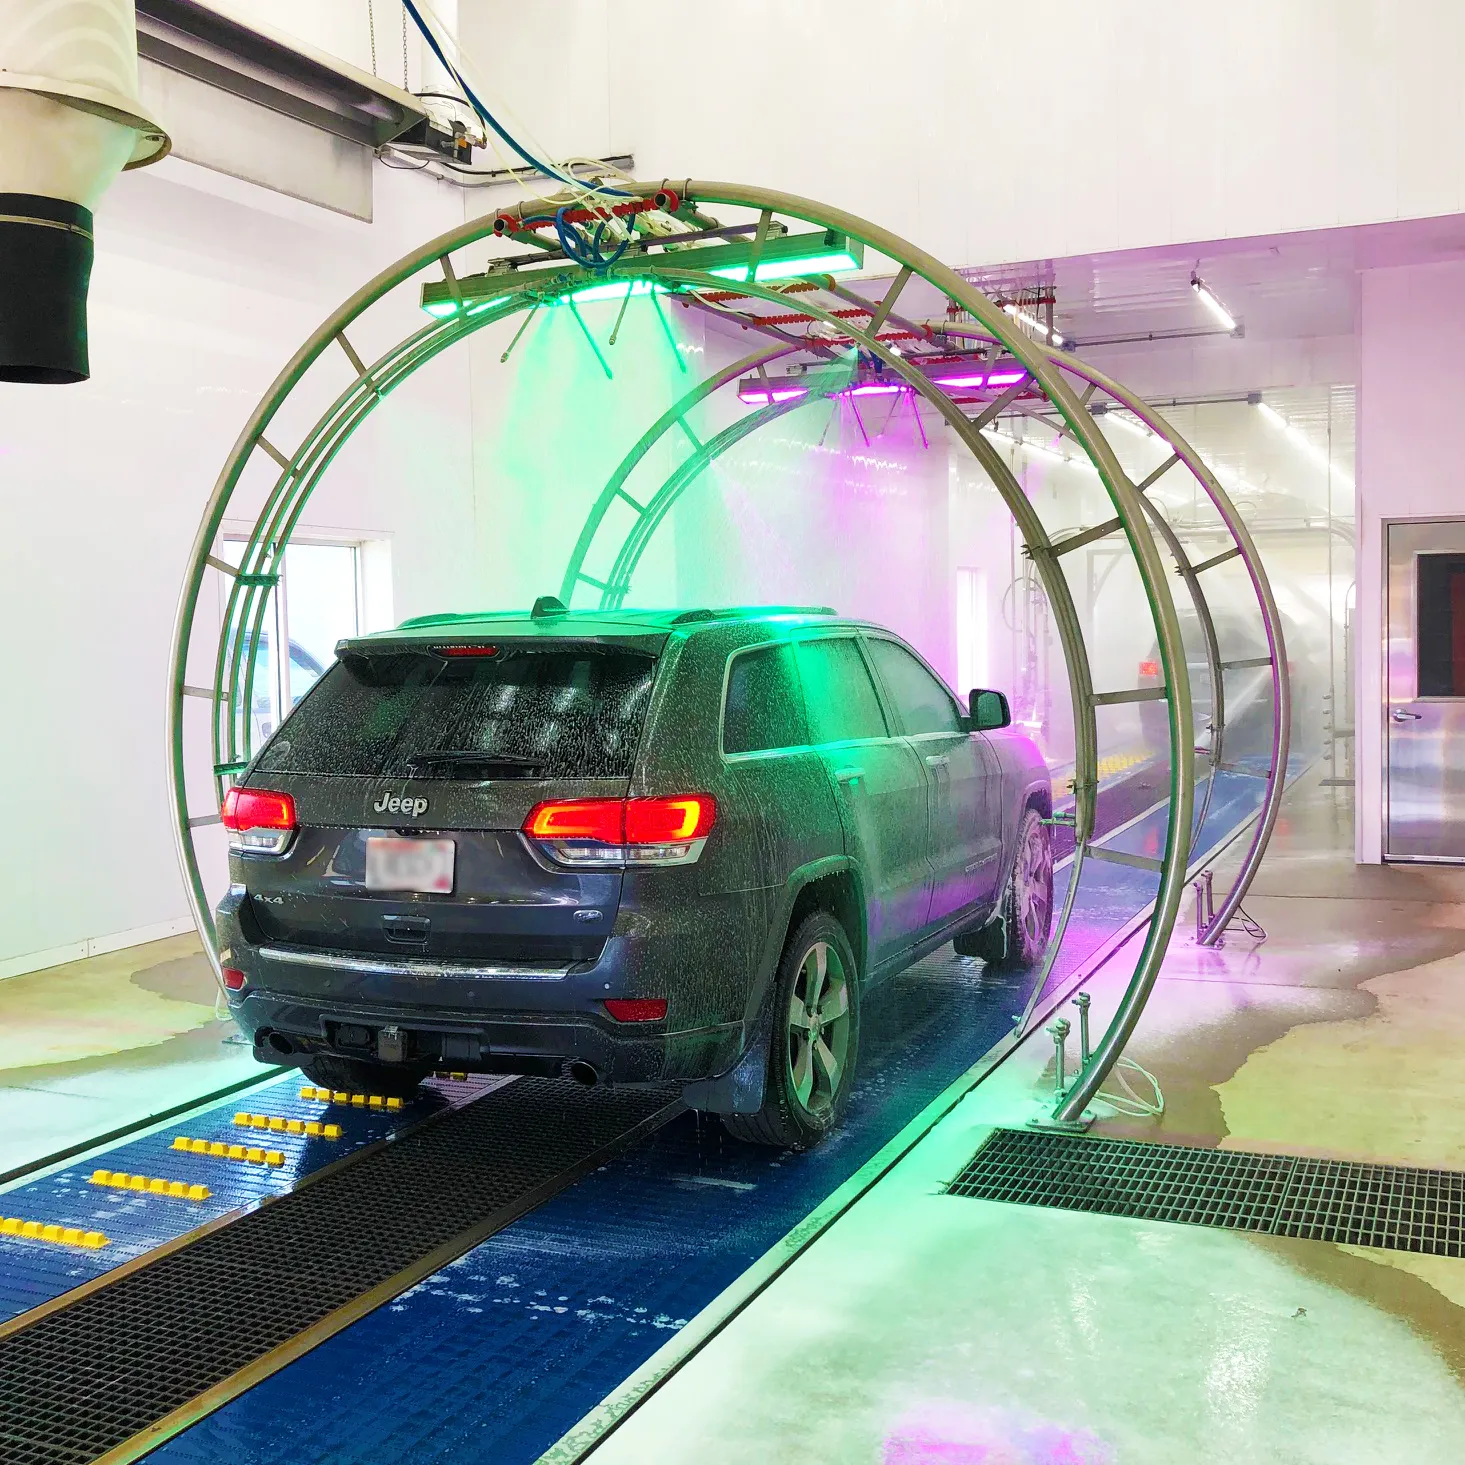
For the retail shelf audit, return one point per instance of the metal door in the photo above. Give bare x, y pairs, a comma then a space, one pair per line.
1424, 692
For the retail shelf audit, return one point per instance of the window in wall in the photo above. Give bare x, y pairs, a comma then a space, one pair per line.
925, 706
838, 693
973, 661
316, 603
764, 706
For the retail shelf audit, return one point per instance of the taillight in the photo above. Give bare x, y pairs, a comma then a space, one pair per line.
233, 979
636, 1009
611, 833
465, 650
259, 821
659, 821
1149, 668
601, 820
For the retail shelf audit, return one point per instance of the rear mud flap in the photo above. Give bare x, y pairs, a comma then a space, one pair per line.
740, 1090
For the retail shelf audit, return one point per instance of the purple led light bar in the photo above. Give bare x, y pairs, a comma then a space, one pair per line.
765, 395
778, 394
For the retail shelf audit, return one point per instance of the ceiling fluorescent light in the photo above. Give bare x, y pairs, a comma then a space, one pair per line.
1133, 424
1211, 303
1033, 322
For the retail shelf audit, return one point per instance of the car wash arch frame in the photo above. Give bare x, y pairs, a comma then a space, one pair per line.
467, 302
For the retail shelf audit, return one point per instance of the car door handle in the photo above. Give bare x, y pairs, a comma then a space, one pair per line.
1399, 715
848, 775
937, 760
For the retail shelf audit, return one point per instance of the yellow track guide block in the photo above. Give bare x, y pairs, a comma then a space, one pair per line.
220, 1151
149, 1185
12, 1226
276, 1124
357, 1101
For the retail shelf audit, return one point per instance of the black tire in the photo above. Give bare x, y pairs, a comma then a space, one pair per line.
358, 1076
1019, 937
809, 1080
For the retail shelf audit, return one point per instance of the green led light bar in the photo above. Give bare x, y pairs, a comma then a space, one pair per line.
782, 257
835, 262
613, 290
444, 308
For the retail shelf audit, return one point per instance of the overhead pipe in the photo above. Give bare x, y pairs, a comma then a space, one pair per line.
70, 121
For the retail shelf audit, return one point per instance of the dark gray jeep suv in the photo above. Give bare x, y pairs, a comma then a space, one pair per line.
630, 847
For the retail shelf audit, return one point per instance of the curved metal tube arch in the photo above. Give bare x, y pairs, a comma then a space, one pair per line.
302, 468
1244, 547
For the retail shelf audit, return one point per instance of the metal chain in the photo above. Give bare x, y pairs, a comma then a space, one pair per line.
371, 32
405, 86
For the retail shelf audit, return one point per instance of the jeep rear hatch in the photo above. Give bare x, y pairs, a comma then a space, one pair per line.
451, 746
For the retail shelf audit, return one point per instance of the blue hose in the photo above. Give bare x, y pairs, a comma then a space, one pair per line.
489, 121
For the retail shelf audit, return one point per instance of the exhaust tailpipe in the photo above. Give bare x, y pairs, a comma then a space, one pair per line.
584, 1073
281, 1044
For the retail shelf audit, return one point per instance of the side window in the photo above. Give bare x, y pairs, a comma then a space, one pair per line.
838, 693
925, 705
764, 708
1440, 632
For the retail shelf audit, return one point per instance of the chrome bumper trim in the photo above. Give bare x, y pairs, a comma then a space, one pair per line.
413, 966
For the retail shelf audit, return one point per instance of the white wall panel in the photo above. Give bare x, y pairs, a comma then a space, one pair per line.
1410, 387
198, 298
1081, 128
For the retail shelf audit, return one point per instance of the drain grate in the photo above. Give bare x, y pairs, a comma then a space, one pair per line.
91, 1376
1391, 1206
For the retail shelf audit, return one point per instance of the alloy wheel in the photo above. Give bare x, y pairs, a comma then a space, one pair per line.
1034, 887
818, 1028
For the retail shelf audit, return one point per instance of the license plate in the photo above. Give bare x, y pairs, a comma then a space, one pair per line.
421, 865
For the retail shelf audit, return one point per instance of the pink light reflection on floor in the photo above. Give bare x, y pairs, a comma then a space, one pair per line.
947, 1432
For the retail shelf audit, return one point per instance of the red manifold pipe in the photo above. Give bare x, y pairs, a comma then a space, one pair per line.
507, 223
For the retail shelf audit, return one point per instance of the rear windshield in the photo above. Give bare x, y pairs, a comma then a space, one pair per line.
532, 713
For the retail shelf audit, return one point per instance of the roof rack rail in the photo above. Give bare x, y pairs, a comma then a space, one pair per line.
734, 611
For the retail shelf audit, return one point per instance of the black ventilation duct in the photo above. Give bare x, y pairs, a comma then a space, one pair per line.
45, 268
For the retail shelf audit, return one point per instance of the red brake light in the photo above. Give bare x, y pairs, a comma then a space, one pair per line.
233, 979
669, 821
602, 820
257, 808
465, 650
636, 1009
1149, 668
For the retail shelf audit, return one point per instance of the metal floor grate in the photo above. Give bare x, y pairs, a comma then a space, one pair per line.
81, 1381
1390, 1206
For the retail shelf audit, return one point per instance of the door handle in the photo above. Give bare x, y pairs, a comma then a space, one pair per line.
848, 775
1399, 715
937, 760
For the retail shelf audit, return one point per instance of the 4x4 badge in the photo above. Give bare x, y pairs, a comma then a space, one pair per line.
396, 804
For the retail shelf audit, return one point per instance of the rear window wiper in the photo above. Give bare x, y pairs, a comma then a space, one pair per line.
474, 758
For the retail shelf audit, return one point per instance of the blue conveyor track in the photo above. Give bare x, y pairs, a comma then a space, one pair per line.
491, 1360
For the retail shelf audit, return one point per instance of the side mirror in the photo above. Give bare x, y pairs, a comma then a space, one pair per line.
989, 710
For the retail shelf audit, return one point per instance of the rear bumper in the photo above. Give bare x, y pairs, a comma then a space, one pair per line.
460, 1015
